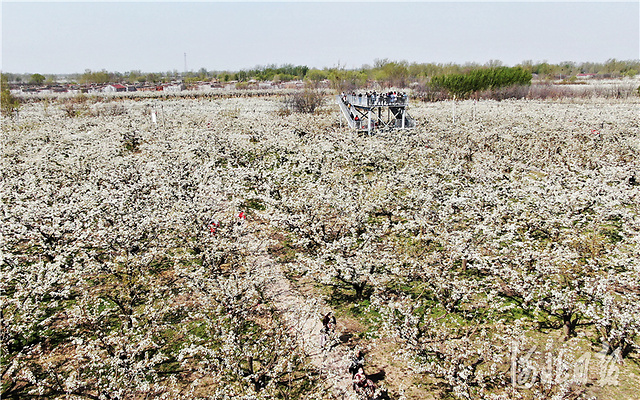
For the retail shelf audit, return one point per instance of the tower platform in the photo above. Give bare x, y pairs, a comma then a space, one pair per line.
375, 112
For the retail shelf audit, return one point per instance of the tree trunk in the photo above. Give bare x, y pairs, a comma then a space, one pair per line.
250, 364
568, 325
359, 288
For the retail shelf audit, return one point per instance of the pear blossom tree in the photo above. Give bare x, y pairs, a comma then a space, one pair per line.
129, 246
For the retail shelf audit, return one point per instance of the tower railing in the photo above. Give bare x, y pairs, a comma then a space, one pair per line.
377, 100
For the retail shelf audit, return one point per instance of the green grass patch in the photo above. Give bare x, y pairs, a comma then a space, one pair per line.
254, 204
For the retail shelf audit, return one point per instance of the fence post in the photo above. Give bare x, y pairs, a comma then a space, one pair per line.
454, 108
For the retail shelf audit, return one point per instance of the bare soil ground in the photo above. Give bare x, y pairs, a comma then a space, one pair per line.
303, 314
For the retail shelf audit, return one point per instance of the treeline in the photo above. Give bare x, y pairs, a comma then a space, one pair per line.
385, 72
270, 73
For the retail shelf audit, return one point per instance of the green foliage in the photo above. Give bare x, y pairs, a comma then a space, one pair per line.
225, 77
12, 77
286, 72
9, 102
316, 75
203, 74
134, 76
462, 85
610, 69
255, 204
96, 77
385, 72
391, 73
37, 79
342, 79
153, 78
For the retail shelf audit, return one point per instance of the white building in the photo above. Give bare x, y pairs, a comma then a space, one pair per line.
178, 87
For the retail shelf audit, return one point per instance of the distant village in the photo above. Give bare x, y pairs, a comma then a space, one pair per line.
171, 87
384, 73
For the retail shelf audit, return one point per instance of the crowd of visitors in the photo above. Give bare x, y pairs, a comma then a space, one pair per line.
362, 384
373, 98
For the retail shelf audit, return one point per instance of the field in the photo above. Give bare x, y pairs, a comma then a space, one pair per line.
492, 252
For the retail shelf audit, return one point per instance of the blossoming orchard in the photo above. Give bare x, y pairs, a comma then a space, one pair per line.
185, 248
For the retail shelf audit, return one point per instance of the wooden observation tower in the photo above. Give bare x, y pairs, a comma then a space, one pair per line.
371, 112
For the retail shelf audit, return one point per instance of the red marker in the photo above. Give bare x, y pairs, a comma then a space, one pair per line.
213, 227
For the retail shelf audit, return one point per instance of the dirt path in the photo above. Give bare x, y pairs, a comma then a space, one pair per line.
304, 316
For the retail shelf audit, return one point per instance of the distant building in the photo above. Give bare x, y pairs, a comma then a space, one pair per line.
292, 85
115, 88
231, 85
95, 89
585, 76
203, 86
174, 88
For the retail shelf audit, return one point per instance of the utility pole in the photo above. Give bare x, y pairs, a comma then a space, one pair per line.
185, 63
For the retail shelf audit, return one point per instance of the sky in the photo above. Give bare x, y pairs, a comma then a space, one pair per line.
71, 37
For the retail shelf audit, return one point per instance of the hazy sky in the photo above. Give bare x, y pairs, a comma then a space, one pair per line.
68, 37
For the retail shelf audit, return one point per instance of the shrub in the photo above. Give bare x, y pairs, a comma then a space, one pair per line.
37, 79
306, 101
430, 93
344, 80
75, 106
131, 141
548, 91
110, 109
315, 76
463, 85
509, 92
9, 102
